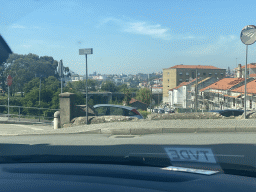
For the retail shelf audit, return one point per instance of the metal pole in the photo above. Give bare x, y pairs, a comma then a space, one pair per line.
39, 91
196, 92
8, 101
203, 103
151, 98
245, 82
39, 97
86, 90
61, 85
19, 113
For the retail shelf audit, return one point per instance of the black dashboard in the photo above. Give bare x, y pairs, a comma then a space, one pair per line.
108, 177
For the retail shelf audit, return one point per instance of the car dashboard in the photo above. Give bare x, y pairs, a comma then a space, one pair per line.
108, 177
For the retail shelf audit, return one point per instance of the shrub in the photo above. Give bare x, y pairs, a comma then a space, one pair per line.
144, 113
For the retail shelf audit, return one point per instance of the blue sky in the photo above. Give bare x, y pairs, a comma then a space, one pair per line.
141, 36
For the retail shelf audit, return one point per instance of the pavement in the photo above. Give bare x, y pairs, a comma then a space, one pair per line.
140, 127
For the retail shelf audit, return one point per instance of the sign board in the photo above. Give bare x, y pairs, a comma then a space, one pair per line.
85, 51
248, 34
9, 80
197, 155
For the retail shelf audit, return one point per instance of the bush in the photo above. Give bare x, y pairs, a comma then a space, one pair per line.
144, 113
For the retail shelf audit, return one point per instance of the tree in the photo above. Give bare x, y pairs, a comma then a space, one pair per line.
144, 95
24, 68
81, 85
108, 86
122, 87
127, 96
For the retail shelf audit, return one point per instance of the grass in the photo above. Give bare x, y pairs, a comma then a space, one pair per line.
144, 113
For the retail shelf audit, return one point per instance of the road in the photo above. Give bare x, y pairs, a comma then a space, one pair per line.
102, 139
140, 127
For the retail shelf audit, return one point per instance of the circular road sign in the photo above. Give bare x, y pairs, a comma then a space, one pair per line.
248, 34
9, 80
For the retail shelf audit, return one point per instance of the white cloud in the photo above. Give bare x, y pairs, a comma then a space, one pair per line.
18, 26
221, 45
143, 28
26, 46
147, 29
139, 27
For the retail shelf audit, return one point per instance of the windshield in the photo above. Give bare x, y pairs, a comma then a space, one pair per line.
172, 76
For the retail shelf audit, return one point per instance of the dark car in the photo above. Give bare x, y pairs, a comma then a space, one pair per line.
109, 109
229, 112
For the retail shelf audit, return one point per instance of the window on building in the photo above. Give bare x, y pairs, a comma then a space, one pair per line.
204, 73
187, 73
198, 73
234, 102
168, 73
221, 73
210, 73
216, 73
187, 80
250, 103
180, 79
180, 73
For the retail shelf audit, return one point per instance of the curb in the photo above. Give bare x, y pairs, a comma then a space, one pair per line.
146, 131
22, 122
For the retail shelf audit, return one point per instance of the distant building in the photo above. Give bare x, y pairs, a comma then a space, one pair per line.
99, 77
177, 74
138, 104
226, 93
251, 70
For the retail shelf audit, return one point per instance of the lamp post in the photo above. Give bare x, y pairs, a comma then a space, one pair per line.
248, 37
86, 52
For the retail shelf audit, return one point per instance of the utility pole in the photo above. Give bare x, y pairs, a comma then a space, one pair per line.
196, 92
85, 52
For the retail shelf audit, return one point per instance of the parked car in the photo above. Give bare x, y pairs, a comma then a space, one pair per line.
169, 111
161, 111
110, 109
229, 112
155, 110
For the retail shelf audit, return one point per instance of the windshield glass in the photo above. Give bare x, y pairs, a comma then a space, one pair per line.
173, 74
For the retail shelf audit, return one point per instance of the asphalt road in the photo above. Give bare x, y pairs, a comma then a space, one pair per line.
136, 128
154, 139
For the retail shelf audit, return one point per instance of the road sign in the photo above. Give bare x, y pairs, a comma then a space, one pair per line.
9, 80
85, 51
248, 34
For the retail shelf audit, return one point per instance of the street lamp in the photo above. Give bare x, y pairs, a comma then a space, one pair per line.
86, 52
248, 37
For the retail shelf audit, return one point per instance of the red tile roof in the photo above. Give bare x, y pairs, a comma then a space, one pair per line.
194, 67
253, 75
250, 88
135, 100
251, 65
224, 84
182, 84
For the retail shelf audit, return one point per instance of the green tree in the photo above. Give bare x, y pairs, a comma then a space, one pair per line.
81, 85
122, 87
23, 68
127, 96
144, 95
108, 86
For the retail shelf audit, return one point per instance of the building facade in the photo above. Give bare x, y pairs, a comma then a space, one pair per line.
177, 74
